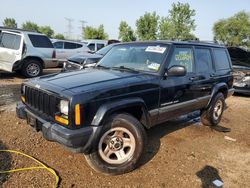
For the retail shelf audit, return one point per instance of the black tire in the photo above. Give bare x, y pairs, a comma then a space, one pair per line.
32, 68
111, 164
213, 114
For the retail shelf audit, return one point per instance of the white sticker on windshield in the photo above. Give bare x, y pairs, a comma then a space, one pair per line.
154, 66
156, 49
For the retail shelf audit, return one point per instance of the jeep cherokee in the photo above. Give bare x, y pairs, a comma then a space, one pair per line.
103, 111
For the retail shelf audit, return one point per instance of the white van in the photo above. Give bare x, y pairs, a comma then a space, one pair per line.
95, 45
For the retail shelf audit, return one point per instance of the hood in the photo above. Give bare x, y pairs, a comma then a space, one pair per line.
92, 79
80, 58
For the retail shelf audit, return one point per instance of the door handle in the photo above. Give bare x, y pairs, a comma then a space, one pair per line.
195, 78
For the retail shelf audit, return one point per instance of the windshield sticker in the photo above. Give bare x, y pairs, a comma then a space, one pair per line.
154, 66
156, 49
183, 56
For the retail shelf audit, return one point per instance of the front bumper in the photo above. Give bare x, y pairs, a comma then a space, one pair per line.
78, 140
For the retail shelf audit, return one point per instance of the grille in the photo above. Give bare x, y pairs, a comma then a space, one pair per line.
40, 101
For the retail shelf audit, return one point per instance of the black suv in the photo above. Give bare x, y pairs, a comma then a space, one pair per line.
103, 111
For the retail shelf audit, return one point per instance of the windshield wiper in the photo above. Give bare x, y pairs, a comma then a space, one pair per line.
125, 68
101, 66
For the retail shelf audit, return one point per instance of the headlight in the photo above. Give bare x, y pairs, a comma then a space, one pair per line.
246, 79
23, 89
64, 107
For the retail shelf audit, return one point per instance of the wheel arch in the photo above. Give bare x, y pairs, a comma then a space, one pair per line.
135, 107
220, 87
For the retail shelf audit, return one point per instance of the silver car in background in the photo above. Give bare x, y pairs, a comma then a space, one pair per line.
25, 51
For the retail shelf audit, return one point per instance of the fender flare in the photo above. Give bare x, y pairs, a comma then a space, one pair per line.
109, 108
218, 87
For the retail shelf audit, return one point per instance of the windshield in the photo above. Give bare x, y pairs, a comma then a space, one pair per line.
104, 50
141, 57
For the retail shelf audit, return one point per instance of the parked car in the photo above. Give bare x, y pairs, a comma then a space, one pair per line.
95, 45
103, 111
25, 51
65, 49
80, 61
241, 65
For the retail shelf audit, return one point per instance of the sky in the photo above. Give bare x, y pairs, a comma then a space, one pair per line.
111, 12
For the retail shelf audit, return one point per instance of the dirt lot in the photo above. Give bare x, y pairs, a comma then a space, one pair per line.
180, 153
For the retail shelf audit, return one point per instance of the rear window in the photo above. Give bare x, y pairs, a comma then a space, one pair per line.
10, 41
40, 41
221, 59
58, 45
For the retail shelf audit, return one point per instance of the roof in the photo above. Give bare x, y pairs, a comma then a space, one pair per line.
17, 30
196, 43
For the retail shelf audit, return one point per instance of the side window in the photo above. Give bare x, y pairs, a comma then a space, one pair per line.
10, 41
58, 45
221, 59
40, 41
69, 45
203, 61
78, 45
184, 57
92, 46
99, 46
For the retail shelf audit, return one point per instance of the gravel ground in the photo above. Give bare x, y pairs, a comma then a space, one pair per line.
180, 153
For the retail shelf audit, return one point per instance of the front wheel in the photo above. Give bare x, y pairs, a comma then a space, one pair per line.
119, 147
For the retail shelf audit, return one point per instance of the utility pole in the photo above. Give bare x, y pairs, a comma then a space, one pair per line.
69, 28
83, 22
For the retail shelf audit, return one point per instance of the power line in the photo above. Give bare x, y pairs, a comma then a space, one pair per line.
83, 22
69, 28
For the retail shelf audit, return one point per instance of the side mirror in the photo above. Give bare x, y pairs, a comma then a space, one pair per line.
176, 70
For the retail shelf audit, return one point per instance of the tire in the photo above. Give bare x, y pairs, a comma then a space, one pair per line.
212, 116
119, 146
32, 68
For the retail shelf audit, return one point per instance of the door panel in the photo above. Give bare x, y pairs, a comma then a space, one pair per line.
175, 91
11, 48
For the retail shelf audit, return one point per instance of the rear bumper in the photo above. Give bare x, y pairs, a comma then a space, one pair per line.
50, 63
78, 140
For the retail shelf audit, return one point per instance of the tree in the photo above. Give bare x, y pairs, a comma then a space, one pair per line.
147, 26
10, 22
233, 31
47, 31
126, 34
179, 24
28, 25
59, 36
95, 33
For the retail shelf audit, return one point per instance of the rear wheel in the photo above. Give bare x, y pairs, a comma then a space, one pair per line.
212, 116
119, 147
32, 68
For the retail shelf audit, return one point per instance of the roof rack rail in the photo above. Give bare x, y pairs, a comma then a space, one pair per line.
204, 41
17, 29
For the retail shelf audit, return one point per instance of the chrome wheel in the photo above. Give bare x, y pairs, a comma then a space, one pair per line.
218, 109
33, 69
117, 145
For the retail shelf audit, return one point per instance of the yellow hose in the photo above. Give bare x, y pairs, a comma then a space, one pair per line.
42, 166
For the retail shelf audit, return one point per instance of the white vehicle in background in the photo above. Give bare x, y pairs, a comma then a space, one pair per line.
25, 51
95, 45
66, 48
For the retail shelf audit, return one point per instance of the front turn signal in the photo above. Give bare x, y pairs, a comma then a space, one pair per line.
61, 120
77, 114
23, 99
